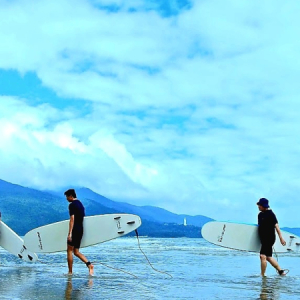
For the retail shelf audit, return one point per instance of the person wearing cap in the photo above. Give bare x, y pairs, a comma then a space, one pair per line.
267, 224
77, 213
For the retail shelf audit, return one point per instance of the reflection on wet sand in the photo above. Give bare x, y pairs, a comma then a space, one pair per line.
14, 277
270, 288
71, 293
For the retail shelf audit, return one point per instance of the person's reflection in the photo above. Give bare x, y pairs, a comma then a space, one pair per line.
90, 282
69, 288
269, 288
70, 294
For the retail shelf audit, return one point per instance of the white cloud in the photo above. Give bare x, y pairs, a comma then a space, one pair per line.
196, 112
118, 152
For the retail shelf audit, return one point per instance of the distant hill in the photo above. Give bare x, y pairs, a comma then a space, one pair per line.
151, 213
24, 209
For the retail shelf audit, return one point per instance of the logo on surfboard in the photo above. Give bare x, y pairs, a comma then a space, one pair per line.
40, 241
220, 238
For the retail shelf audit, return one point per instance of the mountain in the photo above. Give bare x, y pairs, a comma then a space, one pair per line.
25, 208
151, 213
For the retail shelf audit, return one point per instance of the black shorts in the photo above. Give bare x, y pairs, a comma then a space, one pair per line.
76, 238
267, 249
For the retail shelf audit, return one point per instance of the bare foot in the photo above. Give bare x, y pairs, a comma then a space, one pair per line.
91, 269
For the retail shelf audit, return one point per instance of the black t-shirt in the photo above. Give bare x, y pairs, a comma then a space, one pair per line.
77, 209
266, 225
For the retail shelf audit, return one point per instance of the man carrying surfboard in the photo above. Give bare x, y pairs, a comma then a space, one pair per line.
77, 213
267, 224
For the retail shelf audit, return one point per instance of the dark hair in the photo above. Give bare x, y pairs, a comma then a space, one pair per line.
70, 192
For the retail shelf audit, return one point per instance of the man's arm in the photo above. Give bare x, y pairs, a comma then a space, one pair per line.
71, 224
282, 241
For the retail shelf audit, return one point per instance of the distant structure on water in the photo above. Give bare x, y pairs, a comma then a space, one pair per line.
184, 222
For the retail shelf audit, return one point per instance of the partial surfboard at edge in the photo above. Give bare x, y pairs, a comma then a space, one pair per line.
14, 244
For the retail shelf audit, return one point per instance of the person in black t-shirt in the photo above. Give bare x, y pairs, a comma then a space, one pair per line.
267, 224
76, 210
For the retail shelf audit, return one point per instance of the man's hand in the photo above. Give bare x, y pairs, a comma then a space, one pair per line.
69, 238
282, 241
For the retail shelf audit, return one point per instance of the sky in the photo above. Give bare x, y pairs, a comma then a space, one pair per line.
189, 105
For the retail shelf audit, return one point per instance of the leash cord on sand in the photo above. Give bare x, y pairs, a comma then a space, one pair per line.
137, 235
94, 263
100, 263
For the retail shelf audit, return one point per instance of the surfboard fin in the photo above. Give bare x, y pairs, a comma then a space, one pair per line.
20, 256
30, 257
117, 218
131, 222
121, 232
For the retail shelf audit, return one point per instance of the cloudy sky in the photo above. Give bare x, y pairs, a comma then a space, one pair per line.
189, 105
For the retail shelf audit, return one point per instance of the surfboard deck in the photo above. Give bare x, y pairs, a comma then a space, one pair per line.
245, 237
14, 244
97, 229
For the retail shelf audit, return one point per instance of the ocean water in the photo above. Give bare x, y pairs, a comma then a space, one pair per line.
193, 269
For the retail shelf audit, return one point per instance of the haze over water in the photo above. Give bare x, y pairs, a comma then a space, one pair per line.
199, 270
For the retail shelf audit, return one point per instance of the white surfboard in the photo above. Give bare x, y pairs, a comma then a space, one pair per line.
11, 242
97, 229
244, 237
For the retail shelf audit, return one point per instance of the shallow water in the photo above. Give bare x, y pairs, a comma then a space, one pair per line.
199, 270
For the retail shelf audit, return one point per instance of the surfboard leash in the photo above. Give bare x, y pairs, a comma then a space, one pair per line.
276, 254
137, 235
107, 266
285, 271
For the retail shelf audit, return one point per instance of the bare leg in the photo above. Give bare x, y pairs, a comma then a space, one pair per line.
84, 259
70, 259
274, 263
263, 264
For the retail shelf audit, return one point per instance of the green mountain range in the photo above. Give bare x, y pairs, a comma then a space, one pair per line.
25, 208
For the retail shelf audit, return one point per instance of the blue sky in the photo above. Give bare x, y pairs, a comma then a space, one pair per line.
192, 106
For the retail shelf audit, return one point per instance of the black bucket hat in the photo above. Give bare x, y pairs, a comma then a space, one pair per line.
263, 202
